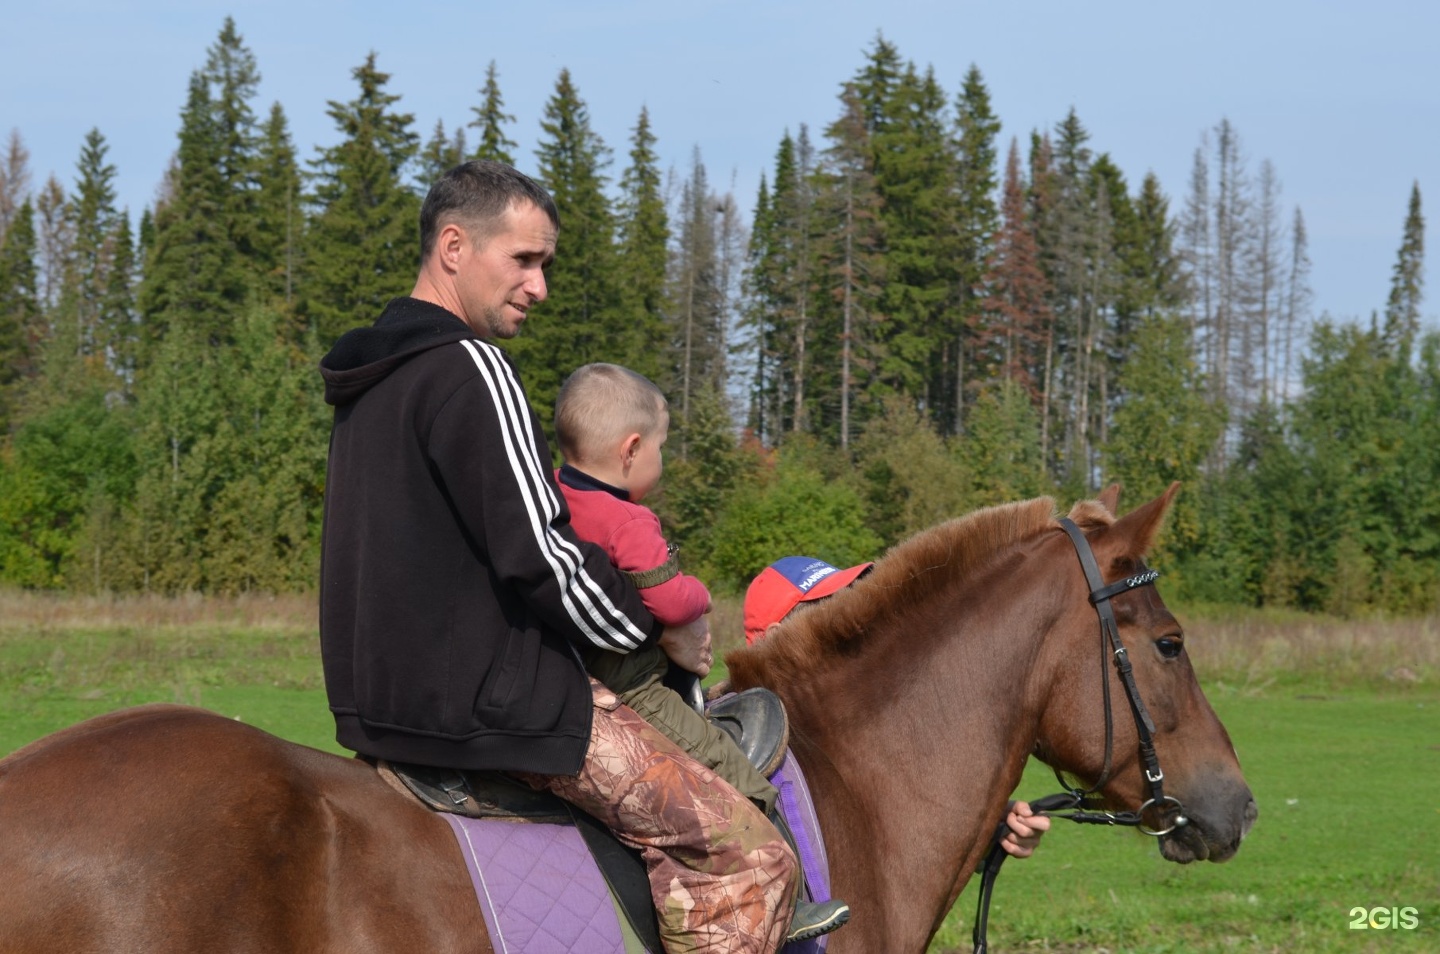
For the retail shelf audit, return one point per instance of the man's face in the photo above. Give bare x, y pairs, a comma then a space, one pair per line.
499, 281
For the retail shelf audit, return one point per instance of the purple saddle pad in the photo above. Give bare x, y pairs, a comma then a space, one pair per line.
542, 893
538, 887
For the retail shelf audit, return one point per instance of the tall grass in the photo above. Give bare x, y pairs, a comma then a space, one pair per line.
1255, 647
1242, 648
47, 612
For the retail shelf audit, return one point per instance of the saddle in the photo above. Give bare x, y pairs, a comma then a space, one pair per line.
755, 719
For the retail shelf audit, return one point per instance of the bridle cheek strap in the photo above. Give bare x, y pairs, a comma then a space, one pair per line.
1100, 596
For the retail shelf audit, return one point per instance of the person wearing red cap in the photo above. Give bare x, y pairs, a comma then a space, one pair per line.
788, 582
785, 584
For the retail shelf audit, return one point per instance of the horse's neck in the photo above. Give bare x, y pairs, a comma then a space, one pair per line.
911, 757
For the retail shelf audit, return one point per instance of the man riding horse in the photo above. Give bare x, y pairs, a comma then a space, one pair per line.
454, 594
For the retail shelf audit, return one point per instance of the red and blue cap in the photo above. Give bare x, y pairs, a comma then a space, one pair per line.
785, 584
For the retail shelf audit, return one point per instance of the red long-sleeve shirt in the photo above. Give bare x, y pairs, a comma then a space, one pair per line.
630, 534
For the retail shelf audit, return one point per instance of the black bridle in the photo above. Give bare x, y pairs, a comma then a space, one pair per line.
1068, 804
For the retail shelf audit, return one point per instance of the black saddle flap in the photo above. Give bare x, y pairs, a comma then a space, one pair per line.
477, 794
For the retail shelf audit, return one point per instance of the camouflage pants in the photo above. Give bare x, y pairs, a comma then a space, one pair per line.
721, 877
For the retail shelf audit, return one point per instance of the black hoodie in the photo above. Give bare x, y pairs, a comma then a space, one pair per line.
453, 593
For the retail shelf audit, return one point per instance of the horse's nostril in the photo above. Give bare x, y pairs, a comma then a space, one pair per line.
1252, 811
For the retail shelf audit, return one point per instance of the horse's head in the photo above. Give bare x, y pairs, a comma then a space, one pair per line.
1200, 768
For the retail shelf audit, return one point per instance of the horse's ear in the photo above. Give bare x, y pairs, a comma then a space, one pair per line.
1138, 528
1110, 497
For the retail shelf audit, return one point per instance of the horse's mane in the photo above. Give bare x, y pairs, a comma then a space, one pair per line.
930, 562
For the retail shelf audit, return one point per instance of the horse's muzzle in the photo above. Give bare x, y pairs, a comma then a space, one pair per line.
1221, 811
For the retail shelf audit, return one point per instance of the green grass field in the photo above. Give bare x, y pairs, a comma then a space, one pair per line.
1337, 726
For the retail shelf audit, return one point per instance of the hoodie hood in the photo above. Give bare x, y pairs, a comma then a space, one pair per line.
365, 356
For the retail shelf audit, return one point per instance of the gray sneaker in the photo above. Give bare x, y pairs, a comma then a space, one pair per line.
813, 920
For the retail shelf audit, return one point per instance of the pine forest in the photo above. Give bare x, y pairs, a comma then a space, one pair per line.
915, 316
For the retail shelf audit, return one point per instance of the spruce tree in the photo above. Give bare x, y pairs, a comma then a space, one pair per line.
977, 218
442, 153
491, 119
233, 79
850, 249
1120, 268
361, 247
54, 237
14, 180
1155, 282
757, 321
145, 237
695, 291
194, 275
1402, 309
699, 483
788, 272
916, 168
279, 222
582, 319
118, 331
94, 221
1010, 330
20, 314
644, 236
1298, 298
877, 81
209, 251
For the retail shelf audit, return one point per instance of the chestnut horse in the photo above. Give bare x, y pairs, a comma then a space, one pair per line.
915, 698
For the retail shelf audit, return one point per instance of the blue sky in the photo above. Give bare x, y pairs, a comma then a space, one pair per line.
1343, 98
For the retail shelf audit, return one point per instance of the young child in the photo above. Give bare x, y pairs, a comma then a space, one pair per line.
611, 423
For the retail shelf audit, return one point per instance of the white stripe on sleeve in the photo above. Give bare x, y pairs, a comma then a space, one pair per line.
585, 602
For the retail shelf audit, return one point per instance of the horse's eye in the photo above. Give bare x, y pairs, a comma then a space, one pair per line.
1169, 646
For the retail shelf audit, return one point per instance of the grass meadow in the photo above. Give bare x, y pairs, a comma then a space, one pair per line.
1337, 723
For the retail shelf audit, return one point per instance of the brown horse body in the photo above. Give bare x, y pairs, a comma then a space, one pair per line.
915, 698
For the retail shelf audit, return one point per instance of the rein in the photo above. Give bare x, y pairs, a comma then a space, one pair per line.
1068, 804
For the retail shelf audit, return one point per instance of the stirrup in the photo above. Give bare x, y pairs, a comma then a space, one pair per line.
756, 720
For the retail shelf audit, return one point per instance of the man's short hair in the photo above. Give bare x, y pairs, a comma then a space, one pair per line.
477, 195
599, 405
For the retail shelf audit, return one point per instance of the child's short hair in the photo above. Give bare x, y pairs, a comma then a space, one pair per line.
599, 404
